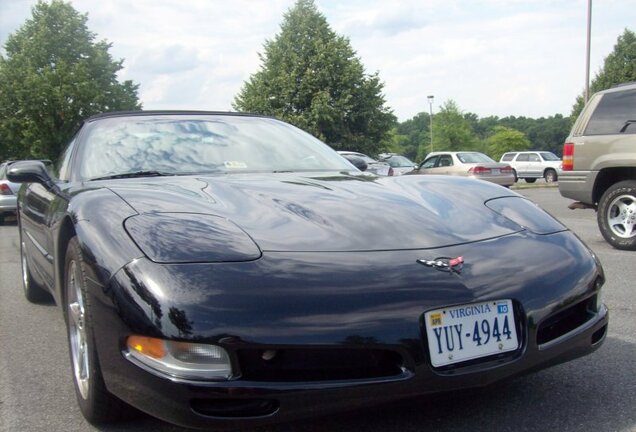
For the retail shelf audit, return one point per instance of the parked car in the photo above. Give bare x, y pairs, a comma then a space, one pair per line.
400, 164
8, 193
599, 163
227, 270
373, 166
531, 165
9, 190
467, 164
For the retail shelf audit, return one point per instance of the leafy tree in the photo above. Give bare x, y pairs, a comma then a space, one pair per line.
53, 76
416, 133
311, 77
451, 131
504, 140
619, 67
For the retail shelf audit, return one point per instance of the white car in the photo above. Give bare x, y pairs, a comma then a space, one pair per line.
8, 193
531, 165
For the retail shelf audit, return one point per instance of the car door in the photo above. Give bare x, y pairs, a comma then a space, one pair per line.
38, 207
521, 164
535, 167
445, 165
428, 165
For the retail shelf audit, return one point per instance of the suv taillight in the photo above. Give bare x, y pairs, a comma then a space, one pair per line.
479, 170
5, 190
568, 157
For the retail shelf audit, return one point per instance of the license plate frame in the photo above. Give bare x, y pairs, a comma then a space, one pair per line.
470, 331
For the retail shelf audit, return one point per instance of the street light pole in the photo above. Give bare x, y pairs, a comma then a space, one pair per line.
587, 56
430, 105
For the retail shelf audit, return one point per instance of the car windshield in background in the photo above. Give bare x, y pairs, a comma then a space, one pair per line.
473, 158
197, 144
547, 156
399, 161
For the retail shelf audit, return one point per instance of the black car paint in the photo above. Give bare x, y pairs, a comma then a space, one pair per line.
323, 279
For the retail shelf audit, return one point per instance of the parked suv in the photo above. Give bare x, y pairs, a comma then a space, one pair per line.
599, 163
531, 165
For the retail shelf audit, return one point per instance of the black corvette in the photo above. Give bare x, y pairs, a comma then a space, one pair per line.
225, 270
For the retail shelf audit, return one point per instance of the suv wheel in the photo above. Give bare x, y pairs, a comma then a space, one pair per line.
550, 176
617, 215
531, 180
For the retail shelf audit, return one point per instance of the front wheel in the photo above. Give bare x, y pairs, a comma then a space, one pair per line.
96, 403
616, 215
550, 176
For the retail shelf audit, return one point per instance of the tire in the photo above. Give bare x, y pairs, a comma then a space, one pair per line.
33, 291
96, 403
616, 215
531, 180
550, 176
1, 219
514, 172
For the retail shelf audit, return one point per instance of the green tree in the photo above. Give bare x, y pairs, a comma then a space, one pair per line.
53, 76
504, 140
619, 67
451, 131
311, 77
416, 132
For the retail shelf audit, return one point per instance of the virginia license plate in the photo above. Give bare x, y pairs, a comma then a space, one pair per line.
459, 333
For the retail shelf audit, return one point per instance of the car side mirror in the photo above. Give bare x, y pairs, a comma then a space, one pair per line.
30, 171
359, 163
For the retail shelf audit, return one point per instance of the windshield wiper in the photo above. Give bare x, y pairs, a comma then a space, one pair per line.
143, 173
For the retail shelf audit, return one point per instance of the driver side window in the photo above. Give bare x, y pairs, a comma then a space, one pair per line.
429, 163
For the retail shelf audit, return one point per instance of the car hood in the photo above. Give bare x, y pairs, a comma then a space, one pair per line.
331, 212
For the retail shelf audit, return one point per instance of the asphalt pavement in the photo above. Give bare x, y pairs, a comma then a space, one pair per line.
594, 393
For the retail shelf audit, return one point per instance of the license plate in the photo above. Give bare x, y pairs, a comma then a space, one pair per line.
459, 333
496, 171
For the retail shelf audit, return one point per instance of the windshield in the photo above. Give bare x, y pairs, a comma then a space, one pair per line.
179, 144
400, 161
547, 156
473, 157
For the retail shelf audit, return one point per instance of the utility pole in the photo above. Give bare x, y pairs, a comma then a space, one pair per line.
430, 105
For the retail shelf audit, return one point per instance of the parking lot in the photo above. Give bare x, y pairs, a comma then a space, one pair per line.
595, 393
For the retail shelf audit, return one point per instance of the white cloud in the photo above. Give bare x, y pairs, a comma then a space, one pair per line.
493, 57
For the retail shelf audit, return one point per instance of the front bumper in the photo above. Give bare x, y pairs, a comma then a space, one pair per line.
359, 302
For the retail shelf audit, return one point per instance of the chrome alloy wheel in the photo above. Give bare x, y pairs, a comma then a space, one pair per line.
77, 331
621, 216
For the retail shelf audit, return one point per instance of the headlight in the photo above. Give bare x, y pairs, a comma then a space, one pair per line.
190, 237
185, 360
525, 213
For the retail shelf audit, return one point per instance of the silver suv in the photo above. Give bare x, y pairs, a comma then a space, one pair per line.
599, 163
531, 165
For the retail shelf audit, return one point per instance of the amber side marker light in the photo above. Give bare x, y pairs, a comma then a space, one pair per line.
146, 345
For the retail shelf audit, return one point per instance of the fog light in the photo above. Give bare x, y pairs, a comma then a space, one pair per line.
180, 359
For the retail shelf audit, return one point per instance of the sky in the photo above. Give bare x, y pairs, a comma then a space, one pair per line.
492, 57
